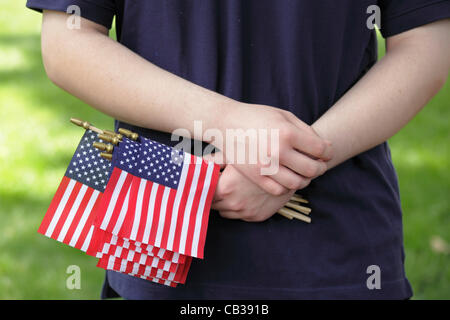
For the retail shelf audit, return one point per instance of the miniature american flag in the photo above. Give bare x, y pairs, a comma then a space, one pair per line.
69, 217
159, 197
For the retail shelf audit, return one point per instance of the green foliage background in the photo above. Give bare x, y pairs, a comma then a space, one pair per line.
37, 142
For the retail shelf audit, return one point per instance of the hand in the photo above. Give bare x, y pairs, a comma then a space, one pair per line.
236, 197
298, 154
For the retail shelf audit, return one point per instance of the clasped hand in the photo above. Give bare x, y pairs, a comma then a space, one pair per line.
243, 192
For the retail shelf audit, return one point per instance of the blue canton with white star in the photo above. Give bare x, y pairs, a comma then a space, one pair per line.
86, 166
126, 155
160, 163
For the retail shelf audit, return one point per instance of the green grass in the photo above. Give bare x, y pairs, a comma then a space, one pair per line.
37, 142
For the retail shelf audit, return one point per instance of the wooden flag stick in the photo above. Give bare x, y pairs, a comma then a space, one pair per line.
294, 214
86, 125
295, 206
286, 215
298, 198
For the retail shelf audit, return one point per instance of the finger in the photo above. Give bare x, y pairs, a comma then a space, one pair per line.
265, 182
290, 179
221, 205
303, 165
270, 185
230, 214
221, 191
312, 145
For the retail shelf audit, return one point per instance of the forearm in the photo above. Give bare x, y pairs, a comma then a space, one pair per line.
113, 79
390, 94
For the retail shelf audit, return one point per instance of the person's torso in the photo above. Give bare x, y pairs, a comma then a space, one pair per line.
296, 55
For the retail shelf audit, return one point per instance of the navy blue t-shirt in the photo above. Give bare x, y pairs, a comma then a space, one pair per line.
301, 55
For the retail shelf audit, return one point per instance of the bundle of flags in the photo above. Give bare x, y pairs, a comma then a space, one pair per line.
144, 213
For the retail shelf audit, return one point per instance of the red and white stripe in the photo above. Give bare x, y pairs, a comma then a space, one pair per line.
107, 243
124, 266
70, 214
172, 219
115, 195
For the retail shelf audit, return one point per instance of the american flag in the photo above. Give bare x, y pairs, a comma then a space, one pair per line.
163, 199
145, 214
70, 215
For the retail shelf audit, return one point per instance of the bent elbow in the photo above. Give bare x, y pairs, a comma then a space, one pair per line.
50, 58
438, 82
442, 80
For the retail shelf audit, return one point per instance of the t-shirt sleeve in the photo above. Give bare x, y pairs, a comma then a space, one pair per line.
398, 16
98, 11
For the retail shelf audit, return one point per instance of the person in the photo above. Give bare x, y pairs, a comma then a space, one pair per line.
307, 69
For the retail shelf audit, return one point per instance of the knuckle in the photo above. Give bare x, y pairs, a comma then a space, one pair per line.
304, 183
311, 170
286, 134
294, 183
277, 190
225, 189
319, 148
237, 205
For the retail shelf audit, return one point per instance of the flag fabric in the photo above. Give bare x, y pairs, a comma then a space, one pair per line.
70, 216
107, 243
179, 275
167, 202
111, 211
119, 252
